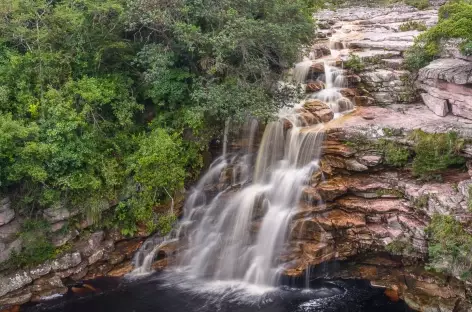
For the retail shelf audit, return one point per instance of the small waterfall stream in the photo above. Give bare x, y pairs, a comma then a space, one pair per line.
237, 217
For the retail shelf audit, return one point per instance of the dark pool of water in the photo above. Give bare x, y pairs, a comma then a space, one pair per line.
161, 293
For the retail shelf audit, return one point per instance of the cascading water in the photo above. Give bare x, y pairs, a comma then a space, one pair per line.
237, 217
222, 244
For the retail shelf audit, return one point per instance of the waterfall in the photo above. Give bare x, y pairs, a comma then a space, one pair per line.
237, 217
223, 243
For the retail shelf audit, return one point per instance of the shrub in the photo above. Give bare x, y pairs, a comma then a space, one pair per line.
395, 154
435, 152
417, 57
413, 25
419, 4
399, 247
450, 246
354, 63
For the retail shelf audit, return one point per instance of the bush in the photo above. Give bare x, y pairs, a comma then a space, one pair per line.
450, 246
395, 154
413, 25
417, 57
399, 247
419, 4
354, 63
435, 152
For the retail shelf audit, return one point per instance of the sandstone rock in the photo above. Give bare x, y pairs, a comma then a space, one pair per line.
87, 246
6, 216
18, 297
436, 105
338, 219
60, 239
59, 213
315, 86
46, 283
318, 67
16, 246
8, 232
451, 70
124, 250
336, 148
77, 270
331, 189
319, 109
58, 226
40, 270
354, 165
67, 261
96, 256
364, 101
370, 160
14, 282
121, 270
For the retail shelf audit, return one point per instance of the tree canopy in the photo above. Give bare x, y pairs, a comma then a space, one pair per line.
95, 95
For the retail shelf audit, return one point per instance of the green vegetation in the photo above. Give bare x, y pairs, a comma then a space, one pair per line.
419, 4
395, 154
413, 25
469, 200
435, 152
115, 100
455, 21
399, 247
354, 63
450, 247
37, 247
421, 202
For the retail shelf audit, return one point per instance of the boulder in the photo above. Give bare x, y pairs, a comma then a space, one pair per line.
364, 101
319, 109
8, 248
436, 105
14, 282
6, 214
59, 213
67, 261
451, 70
47, 286
315, 86
88, 245
40, 270
18, 297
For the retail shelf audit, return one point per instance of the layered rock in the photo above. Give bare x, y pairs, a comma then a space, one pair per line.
446, 83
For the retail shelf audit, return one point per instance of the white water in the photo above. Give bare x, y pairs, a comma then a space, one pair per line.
237, 217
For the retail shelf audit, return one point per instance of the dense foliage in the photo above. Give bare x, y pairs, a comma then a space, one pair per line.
450, 247
455, 21
435, 152
114, 100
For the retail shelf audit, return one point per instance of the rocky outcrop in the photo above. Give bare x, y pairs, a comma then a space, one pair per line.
374, 35
98, 254
446, 83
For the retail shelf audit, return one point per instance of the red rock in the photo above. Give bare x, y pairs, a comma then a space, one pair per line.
315, 86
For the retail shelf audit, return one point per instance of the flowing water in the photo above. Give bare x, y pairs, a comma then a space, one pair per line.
237, 217
236, 221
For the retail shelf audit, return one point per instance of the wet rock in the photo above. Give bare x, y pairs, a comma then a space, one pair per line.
337, 148
319, 109
121, 270
315, 86
14, 282
59, 213
67, 261
17, 297
331, 189
47, 286
338, 219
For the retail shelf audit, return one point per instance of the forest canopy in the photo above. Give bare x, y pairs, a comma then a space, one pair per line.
96, 95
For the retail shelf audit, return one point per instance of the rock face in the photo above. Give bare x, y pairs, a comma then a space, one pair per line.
447, 81
374, 35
